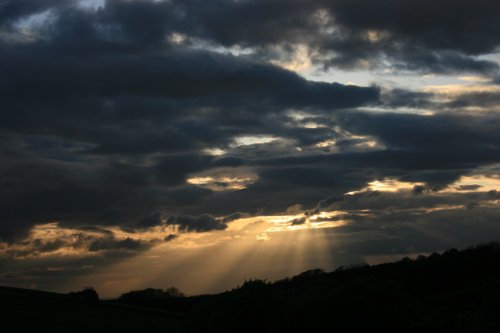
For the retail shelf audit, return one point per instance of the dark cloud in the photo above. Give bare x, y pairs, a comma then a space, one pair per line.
201, 76
421, 133
33, 264
10, 11
443, 62
489, 100
110, 243
410, 232
202, 223
112, 133
96, 230
472, 187
50, 246
234, 216
423, 22
170, 237
299, 221
407, 98
414, 35
149, 221
420, 149
89, 240
400, 200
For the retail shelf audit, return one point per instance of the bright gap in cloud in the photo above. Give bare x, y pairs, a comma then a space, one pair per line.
247, 140
214, 151
475, 183
30, 28
91, 4
223, 179
387, 185
459, 89
298, 60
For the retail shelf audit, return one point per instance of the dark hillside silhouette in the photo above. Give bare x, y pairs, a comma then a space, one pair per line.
24, 310
456, 291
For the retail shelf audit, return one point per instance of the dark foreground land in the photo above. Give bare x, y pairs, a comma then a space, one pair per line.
457, 291
33, 311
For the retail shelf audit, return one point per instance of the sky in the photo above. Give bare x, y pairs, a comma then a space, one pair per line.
199, 143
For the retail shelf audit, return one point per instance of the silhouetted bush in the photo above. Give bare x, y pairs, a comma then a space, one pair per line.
151, 294
87, 295
253, 284
170, 299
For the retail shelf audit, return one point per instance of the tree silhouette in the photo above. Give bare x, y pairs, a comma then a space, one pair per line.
87, 295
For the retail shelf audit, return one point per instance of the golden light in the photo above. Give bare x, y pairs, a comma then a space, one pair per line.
298, 61
475, 183
223, 179
388, 185
459, 89
215, 151
267, 247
